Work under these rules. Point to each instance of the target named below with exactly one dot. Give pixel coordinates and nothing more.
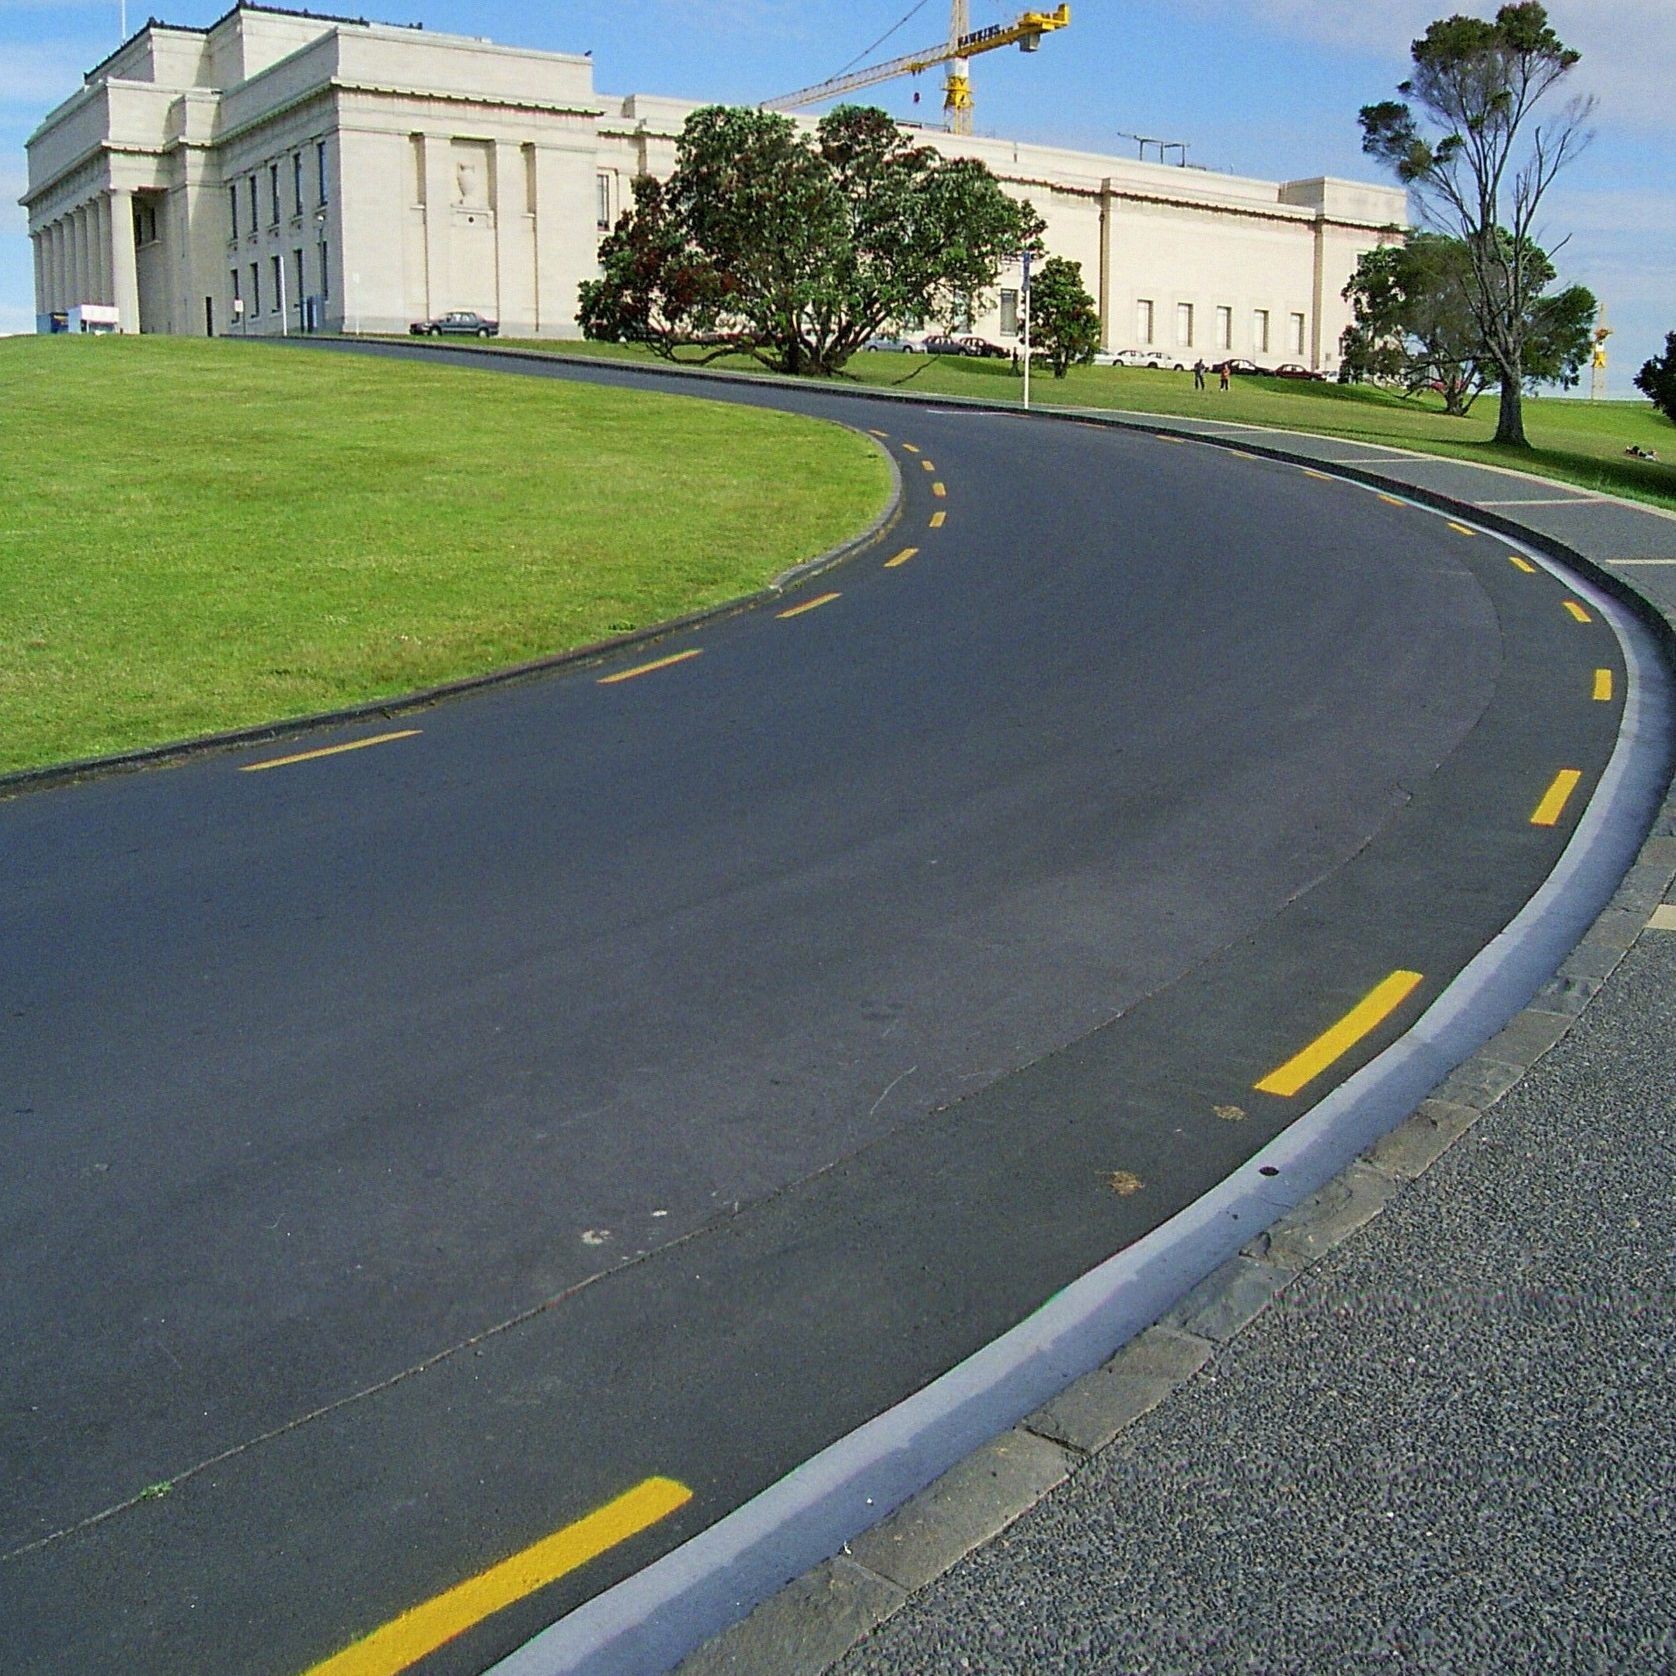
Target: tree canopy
(1657, 378)
(1413, 321)
(1063, 321)
(1483, 177)
(795, 248)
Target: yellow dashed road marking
(647, 668)
(1391, 500)
(1523, 564)
(909, 448)
(1578, 612)
(926, 465)
(901, 558)
(1310, 471)
(1554, 800)
(937, 520)
(1460, 529)
(417, 1633)
(1603, 686)
(1368, 1013)
(807, 605)
(328, 751)
(938, 490)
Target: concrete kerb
(163, 756)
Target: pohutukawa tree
(1483, 177)
(796, 248)
(1063, 321)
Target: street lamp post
(1024, 303)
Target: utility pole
(1024, 303)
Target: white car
(1138, 358)
(895, 345)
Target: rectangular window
(602, 211)
(254, 212)
(1297, 334)
(297, 183)
(233, 207)
(255, 291)
(1260, 331)
(1009, 314)
(302, 284)
(320, 167)
(1184, 325)
(1143, 321)
(273, 190)
(234, 277)
(1224, 328)
(325, 273)
(279, 282)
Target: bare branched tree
(1482, 180)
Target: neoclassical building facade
(280, 171)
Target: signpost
(1024, 303)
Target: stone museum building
(281, 171)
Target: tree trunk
(1510, 422)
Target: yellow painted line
(1368, 1013)
(328, 751)
(807, 605)
(1603, 686)
(938, 490)
(937, 520)
(1578, 612)
(926, 465)
(1240, 454)
(1164, 436)
(1310, 471)
(647, 668)
(416, 1634)
(1391, 500)
(879, 433)
(1523, 564)
(909, 448)
(1460, 529)
(901, 558)
(1554, 800)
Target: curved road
(414, 1148)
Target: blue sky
(1260, 87)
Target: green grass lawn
(1572, 441)
(197, 536)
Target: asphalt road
(414, 1148)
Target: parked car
(946, 346)
(1154, 358)
(895, 346)
(1296, 369)
(1236, 364)
(984, 349)
(457, 322)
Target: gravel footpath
(1448, 1446)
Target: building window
(1224, 328)
(320, 167)
(279, 284)
(1297, 334)
(297, 182)
(1143, 321)
(233, 276)
(255, 291)
(602, 210)
(253, 210)
(1184, 325)
(1260, 331)
(325, 272)
(302, 283)
(1009, 314)
(273, 190)
(233, 208)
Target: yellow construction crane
(964, 42)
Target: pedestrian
(1222, 374)
(1199, 373)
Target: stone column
(125, 278)
(84, 255)
(102, 249)
(55, 266)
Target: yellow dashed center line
(926, 465)
(1603, 686)
(1310, 471)
(1240, 454)
(1391, 500)
(1460, 529)
(901, 558)
(647, 668)
(937, 520)
(1578, 612)
(1554, 800)
(885, 434)
(416, 1634)
(938, 490)
(1523, 564)
(1368, 1013)
(909, 448)
(807, 605)
(328, 751)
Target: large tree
(1413, 321)
(1657, 378)
(1484, 176)
(1063, 322)
(795, 248)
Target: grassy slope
(195, 535)
(1572, 441)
